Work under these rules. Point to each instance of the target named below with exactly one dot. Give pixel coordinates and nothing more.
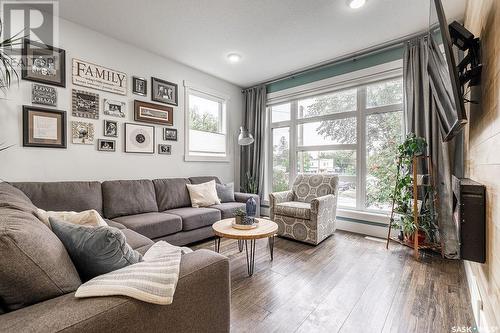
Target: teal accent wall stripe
(339, 68)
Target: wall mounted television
(448, 94)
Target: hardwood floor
(346, 284)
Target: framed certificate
(44, 127)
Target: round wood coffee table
(265, 229)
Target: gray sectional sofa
(158, 209)
(38, 279)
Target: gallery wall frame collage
(45, 126)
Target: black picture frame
(47, 50)
(168, 137)
(135, 80)
(164, 149)
(155, 83)
(126, 137)
(100, 147)
(106, 128)
(28, 127)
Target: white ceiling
(273, 36)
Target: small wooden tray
(244, 226)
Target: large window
(352, 132)
(206, 126)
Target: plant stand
(426, 189)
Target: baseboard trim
(476, 299)
(362, 227)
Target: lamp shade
(245, 138)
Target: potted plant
(403, 195)
(7, 62)
(239, 216)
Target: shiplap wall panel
(483, 153)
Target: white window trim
(191, 88)
(342, 82)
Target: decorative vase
(251, 207)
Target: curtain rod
(350, 56)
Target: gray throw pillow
(225, 192)
(95, 250)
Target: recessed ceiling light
(355, 4)
(233, 57)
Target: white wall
(84, 162)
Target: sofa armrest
(324, 211)
(276, 198)
(201, 304)
(243, 197)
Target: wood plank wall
(482, 18)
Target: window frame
(190, 89)
(359, 80)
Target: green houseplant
(249, 184)
(403, 193)
(239, 215)
(8, 65)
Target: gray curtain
(252, 156)
(424, 117)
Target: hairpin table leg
(217, 244)
(250, 256)
(240, 245)
(271, 247)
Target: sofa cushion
(64, 196)
(115, 224)
(225, 192)
(128, 197)
(203, 195)
(152, 225)
(301, 210)
(194, 218)
(136, 240)
(204, 179)
(89, 218)
(34, 265)
(172, 193)
(228, 209)
(95, 250)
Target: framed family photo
(82, 133)
(43, 63)
(139, 138)
(114, 108)
(110, 128)
(153, 113)
(85, 104)
(106, 145)
(139, 86)
(44, 127)
(164, 149)
(169, 134)
(164, 92)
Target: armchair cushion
(301, 210)
(306, 187)
(278, 197)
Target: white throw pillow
(203, 195)
(89, 218)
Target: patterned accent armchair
(307, 213)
